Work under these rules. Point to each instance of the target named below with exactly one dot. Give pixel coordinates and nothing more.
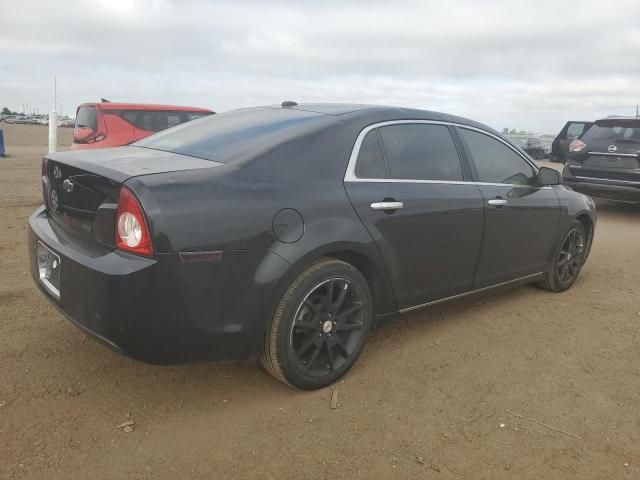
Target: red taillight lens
(577, 145)
(132, 232)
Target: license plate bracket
(48, 264)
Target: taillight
(45, 183)
(577, 145)
(132, 232)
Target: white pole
(53, 131)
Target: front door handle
(385, 206)
(497, 202)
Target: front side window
(420, 152)
(495, 162)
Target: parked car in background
(289, 232)
(605, 161)
(21, 120)
(108, 124)
(531, 145)
(560, 146)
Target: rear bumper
(603, 188)
(158, 310)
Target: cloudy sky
(522, 64)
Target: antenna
(637, 116)
(55, 93)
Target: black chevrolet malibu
(289, 232)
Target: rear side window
(86, 118)
(575, 130)
(154, 121)
(420, 152)
(370, 158)
(495, 162)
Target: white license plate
(49, 270)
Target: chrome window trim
(350, 174)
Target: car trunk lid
(81, 189)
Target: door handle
(386, 206)
(497, 202)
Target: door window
(420, 152)
(495, 162)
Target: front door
(409, 189)
(521, 217)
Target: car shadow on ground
(87, 360)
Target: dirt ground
(431, 397)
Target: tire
(568, 260)
(319, 326)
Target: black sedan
(290, 232)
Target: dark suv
(605, 160)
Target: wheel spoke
(314, 357)
(343, 327)
(349, 311)
(341, 296)
(313, 307)
(332, 361)
(329, 298)
(308, 342)
(341, 348)
(307, 325)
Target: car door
(568, 134)
(521, 217)
(409, 186)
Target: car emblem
(612, 148)
(57, 173)
(54, 200)
(67, 185)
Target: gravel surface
(519, 383)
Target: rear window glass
(610, 132)
(86, 118)
(232, 135)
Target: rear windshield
(608, 131)
(232, 135)
(86, 118)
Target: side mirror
(549, 176)
(81, 134)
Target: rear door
(571, 131)
(409, 186)
(521, 217)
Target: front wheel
(568, 260)
(319, 326)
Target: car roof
(143, 106)
(380, 111)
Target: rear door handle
(497, 202)
(386, 205)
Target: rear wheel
(569, 259)
(320, 325)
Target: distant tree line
(6, 111)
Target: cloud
(506, 63)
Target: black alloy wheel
(569, 259)
(320, 325)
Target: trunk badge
(67, 185)
(612, 148)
